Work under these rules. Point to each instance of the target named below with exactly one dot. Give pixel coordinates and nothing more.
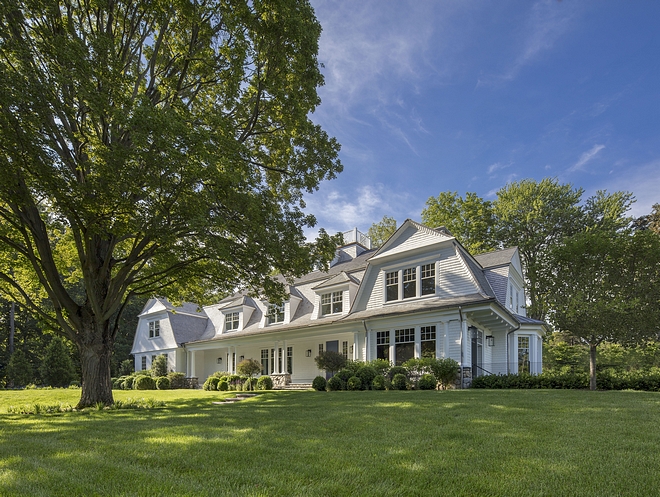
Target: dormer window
(392, 285)
(332, 303)
(428, 279)
(154, 329)
(409, 283)
(232, 321)
(275, 314)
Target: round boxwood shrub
(163, 383)
(378, 383)
(367, 374)
(354, 383)
(399, 382)
(427, 382)
(335, 383)
(265, 383)
(223, 385)
(319, 383)
(395, 370)
(345, 374)
(177, 380)
(128, 383)
(249, 384)
(117, 383)
(211, 383)
(144, 383)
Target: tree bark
(95, 354)
(592, 367)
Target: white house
(420, 294)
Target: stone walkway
(233, 400)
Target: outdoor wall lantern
(242, 357)
(219, 360)
(490, 340)
(308, 353)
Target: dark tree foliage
(57, 367)
(330, 361)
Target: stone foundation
(467, 378)
(191, 382)
(280, 380)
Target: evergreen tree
(19, 370)
(57, 367)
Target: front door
(331, 346)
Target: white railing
(356, 236)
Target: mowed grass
(476, 443)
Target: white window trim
(400, 269)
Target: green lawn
(474, 442)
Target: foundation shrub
(345, 374)
(223, 385)
(354, 383)
(234, 381)
(399, 382)
(381, 366)
(395, 370)
(211, 383)
(177, 380)
(445, 371)
(319, 384)
(366, 374)
(378, 383)
(353, 366)
(336, 383)
(144, 382)
(249, 384)
(128, 383)
(117, 383)
(163, 383)
(265, 383)
(427, 382)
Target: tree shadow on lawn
(338, 443)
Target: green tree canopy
(470, 219)
(606, 288)
(152, 146)
(380, 232)
(57, 366)
(19, 370)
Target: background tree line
(591, 270)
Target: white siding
(374, 289)
(413, 238)
(453, 277)
(455, 340)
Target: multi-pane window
(428, 341)
(275, 314)
(344, 349)
(231, 321)
(289, 360)
(332, 303)
(404, 347)
(523, 354)
(428, 279)
(272, 360)
(144, 362)
(320, 349)
(409, 283)
(383, 345)
(264, 362)
(392, 286)
(154, 329)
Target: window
(231, 321)
(144, 362)
(511, 295)
(320, 349)
(289, 360)
(264, 362)
(392, 286)
(428, 279)
(279, 360)
(517, 302)
(409, 283)
(344, 349)
(404, 348)
(275, 314)
(331, 303)
(428, 341)
(233, 361)
(272, 360)
(523, 354)
(383, 345)
(154, 329)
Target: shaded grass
(340, 443)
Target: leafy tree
(654, 219)
(470, 219)
(330, 361)
(607, 288)
(126, 367)
(159, 366)
(57, 367)
(151, 146)
(19, 369)
(535, 216)
(380, 232)
(249, 367)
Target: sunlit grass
(340, 443)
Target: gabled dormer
(355, 243)
(503, 269)
(334, 297)
(277, 314)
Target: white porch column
(276, 365)
(356, 344)
(418, 339)
(284, 355)
(193, 371)
(464, 344)
(445, 347)
(392, 347)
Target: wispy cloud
(498, 166)
(642, 180)
(586, 157)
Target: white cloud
(586, 157)
(498, 166)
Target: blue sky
(429, 96)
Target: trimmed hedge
(163, 383)
(336, 383)
(399, 382)
(265, 383)
(144, 383)
(319, 384)
(427, 382)
(354, 383)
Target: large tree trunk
(592, 367)
(95, 354)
